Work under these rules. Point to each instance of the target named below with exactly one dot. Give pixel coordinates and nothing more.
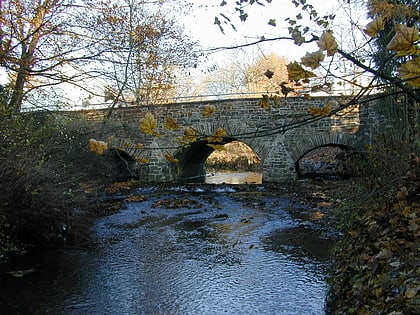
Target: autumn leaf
(327, 42)
(141, 160)
(217, 147)
(171, 124)
(149, 125)
(403, 42)
(410, 71)
(372, 29)
(321, 111)
(92, 145)
(297, 72)
(171, 159)
(208, 110)
(217, 136)
(313, 60)
(190, 135)
(276, 100)
(269, 74)
(98, 147)
(264, 102)
(381, 8)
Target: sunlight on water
(227, 177)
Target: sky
(200, 25)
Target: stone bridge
(277, 130)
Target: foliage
(267, 73)
(44, 171)
(39, 40)
(248, 74)
(376, 262)
(79, 45)
(403, 46)
(375, 268)
(147, 47)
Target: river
(192, 249)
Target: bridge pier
(278, 166)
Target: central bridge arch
(192, 159)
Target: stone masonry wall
(243, 119)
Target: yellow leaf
(92, 145)
(380, 8)
(98, 147)
(149, 125)
(217, 147)
(190, 135)
(217, 136)
(403, 42)
(276, 100)
(315, 111)
(208, 110)
(297, 72)
(374, 27)
(411, 291)
(313, 60)
(171, 124)
(171, 159)
(410, 71)
(142, 160)
(101, 147)
(321, 111)
(327, 42)
(264, 102)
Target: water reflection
(232, 177)
(220, 256)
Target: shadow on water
(184, 250)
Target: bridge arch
(192, 159)
(321, 140)
(345, 142)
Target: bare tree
(129, 46)
(145, 50)
(44, 43)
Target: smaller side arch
(336, 166)
(124, 163)
(307, 144)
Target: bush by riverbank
(376, 264)
(47, 175)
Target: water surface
(185, 250)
